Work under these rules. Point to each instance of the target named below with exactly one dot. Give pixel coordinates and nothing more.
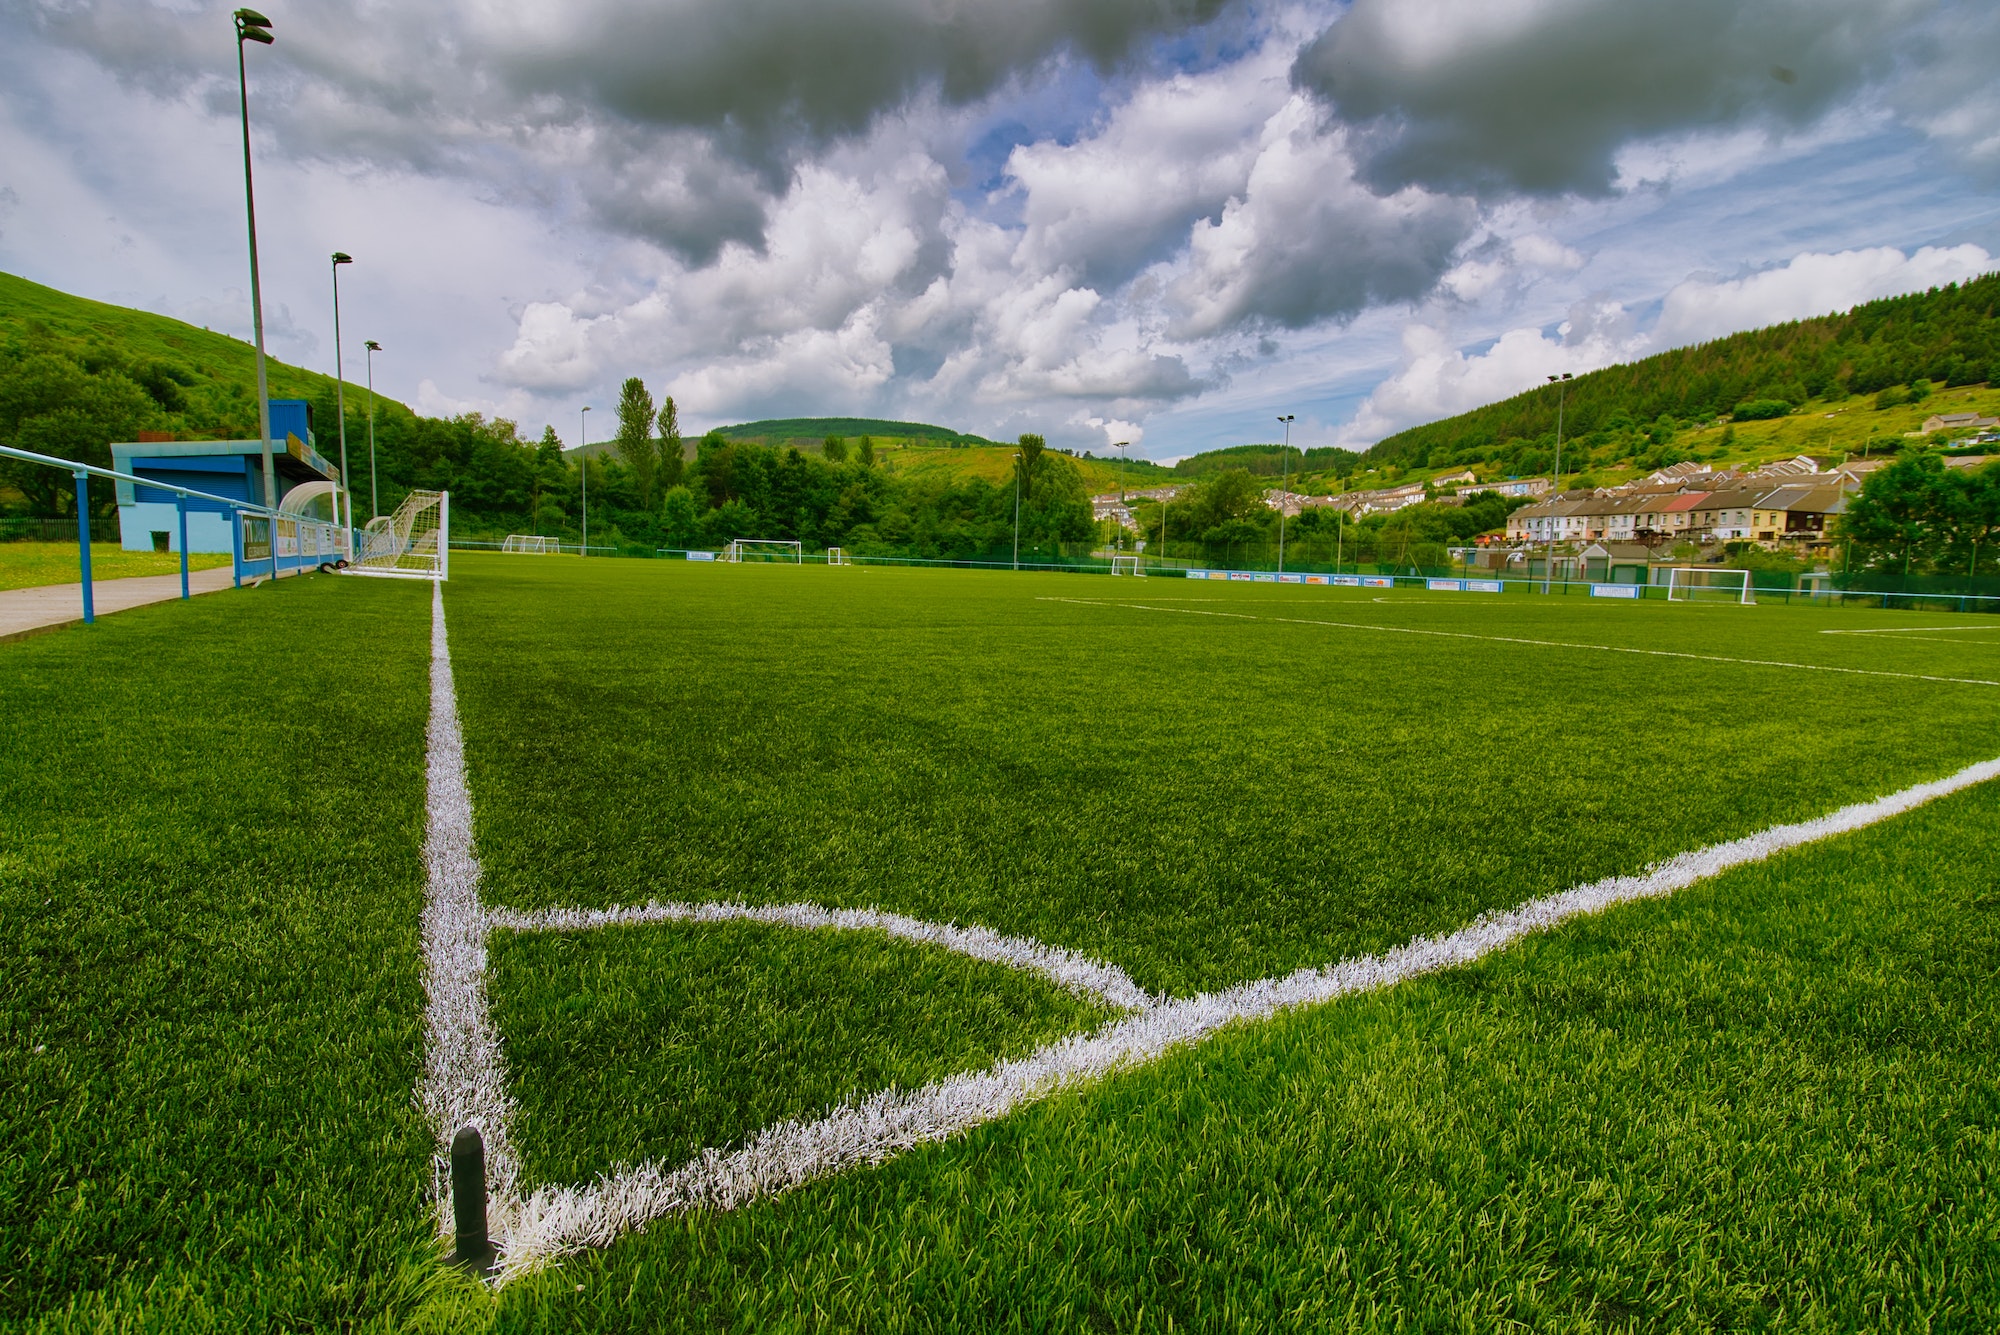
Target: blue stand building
(147, 521)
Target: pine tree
(635, 438)
(670, 445)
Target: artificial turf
(1190, 788)
(640, 1043)
(1766, 1104)
(210, 1000)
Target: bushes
(1761, 410)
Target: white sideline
(1076, 973)
(464, 1080)
(1519, 639)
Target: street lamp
(1285, 488)
(1121, 447)
(254, 27)
(583, 471)
(374, 503)
(1561, 383)
(341, 257)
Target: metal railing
(287, 541)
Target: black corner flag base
(468, 1202)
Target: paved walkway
(25, 612)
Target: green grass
(652, 1042)
(25, 565)
(1765, 1104)
(1768, 1103)
(209, 991)
(1199, 799)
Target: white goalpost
(1127, 563)
(1686, 584)
(413, 543)
(837, 557)
(764, 549)
(530, 544)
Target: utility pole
(340, 396)
(583, 472)
(1017, 512)
(1561, 383)
(374, 498)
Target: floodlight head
(252, 26)
(342, 257)
(372, 345)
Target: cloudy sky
(1164, 221)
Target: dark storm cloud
(1538, 96)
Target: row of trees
(1919, 517)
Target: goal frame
(1679, 590)
(412, 543)
(531, 544)
(1131, 561)
(837, 556)
(738, 547)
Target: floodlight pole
(254, 27)
(1561, 383)
(1121, 447)
(1284, 488)
(1017, 512)
(374, 499)
(583, 471)
(340, 401)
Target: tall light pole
(1121, 446)
(1285, 488)
(583, 471)
(1017, 512)
(341, 257)
(1561, 383)
(254, 27)
(374, 501)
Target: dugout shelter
(232, 468)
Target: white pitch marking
(1904, 630)
(1076, 973)
(1542, 644)
(790, 1154)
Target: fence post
(181, 513)
(236, 547)
(83, 543)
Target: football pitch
(912, 950)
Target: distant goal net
(529, 544)
(764, 549)
(413, 543)
(1689, 585)
(837, 557)
(1125, 564)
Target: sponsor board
(1484, 586)
(1378, 581)
(1348, 581)
(1614, 590)
(1445, 585)
(1291, 579)
(701, 556)
(1317, 579)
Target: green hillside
(1647, 413)
(812, 430)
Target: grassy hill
(811, 431)
(197, 383)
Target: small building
(1958, 422)
(147, 519)
(1513, 486)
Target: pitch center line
(1520, 639)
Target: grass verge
(27, 565)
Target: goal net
(837, 557)
(530, 544)
(1687, 585)
(413, 543)
(764, 549)
(1126, 564)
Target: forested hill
(812, 430)
(1948, 336)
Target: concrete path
(25, 612)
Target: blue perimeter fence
(1838, 591)
(264, 542)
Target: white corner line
(1075, 973)
(556, 1220)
